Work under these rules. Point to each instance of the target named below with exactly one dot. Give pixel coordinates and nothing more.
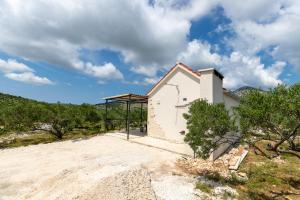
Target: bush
(232, 179)
(273, 115)
(207, 125)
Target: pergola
(128, 99)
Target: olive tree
(61, 126)
(207, 126)
(63, 120)
(273, 115)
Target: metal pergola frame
(128, 99)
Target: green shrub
(203, 187)
(207, 124)
(215, 176)
(234, 179)
(275, 114)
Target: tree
(61, 126)
(63, 121)
(207, 126)
(273, 116)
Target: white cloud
(196, 53)
(266, 24)
(20, 72)
(260, 10)
(151, 80)
(106, 71)
(29, 77)
(199, 54)
(145, 70)
(144, 34)
(13, 66)
(240, 70)
(145, 81)
(152, 37)
(258, 25)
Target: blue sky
(80, 52)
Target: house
(172, 95)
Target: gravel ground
(132, 184)
(101, 167)
(175, 187)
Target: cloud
(106, 71)
(13, 66)
(238, 69)
(258, 10)
(196, 53)
(143, 33)
(145, 70)
(152, 36)
(257, 26)
(29, 77)
(145, 81)
(152, 80)
(20, 72)
(262, 25)
(199, 54)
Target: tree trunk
(293, 146)
(261, 151)
(275, 147)
(289, 152)
(293, 133)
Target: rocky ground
(101, 167)
(131, 184)
(222, 165)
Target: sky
(76, 51)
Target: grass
(203, 187)
(29, 140)
(44, 137)
(232, 180)
(269, 179)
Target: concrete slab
(178, 148)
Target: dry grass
(44, 137)
(270, 179)
(278, 178)
(204, 187)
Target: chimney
(211, 85)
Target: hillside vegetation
(19, 115)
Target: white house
(172, 95)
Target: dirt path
(102, 167)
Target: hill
(242, 90)
(8, 99)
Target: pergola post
(128, 116)
(141, 123)
(105, 122)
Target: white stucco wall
(168, 103)
(230, 102)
